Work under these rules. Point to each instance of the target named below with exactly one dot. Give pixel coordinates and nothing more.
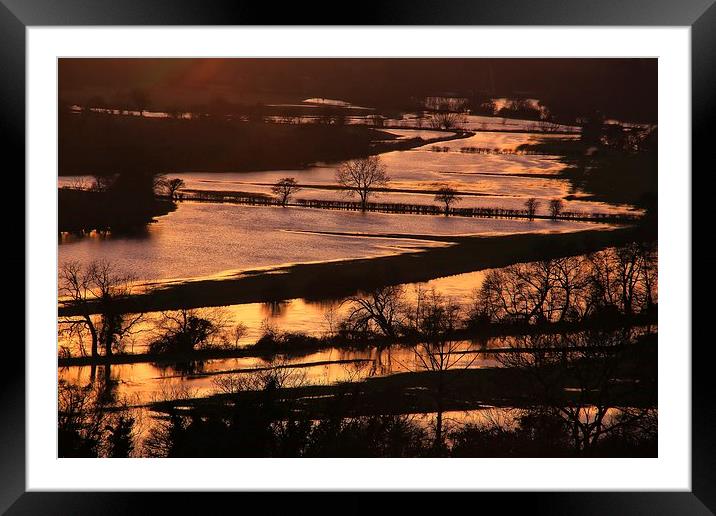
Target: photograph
(364, 257)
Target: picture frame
(700, 15)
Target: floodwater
(208, 239)
(143, 383)
(295, 315)
(500, 178)
(212, 239)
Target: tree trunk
(93, 334)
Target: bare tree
(362, 176)
(103, 183)
(90, 294)
(447, 196)
(531, 206)
(285, 188)
(185, 330)
(555, 207)
(378, 311)
(173, 186)
(607, 283)
(445, 120)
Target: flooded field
(438, 258)
(175, 246)
(500, 178)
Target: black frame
(700, 15)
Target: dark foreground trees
(593, 384)
(87, 429)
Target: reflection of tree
(438, 352)
(274, 308)
(577, 374)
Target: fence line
(404, 208)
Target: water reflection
(145, 382)
(310, 317)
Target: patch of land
(81, 210)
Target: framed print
(269, 251)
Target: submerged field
(295, 271)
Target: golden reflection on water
(315, 318)
(146, 382)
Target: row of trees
(363, 177)
(614, 283)
(555, 207)
(160, 184)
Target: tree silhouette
(90, 293)
(447, 196)
(531, 206)
(362, 176)
(378, 311)
(285, 188)
(445, 121)
(140, 100)
(555, 208)
(173, 186)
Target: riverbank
(343, 278)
